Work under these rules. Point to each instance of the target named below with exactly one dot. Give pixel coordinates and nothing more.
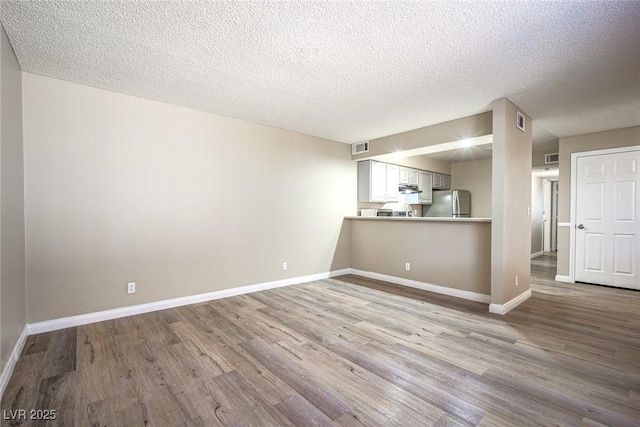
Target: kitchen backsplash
(400, 206)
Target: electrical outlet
(407, 266)
(516, 280)
(284, 266)
(131, 287)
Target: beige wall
(452, 254)
(12, 255)
(562, 267)
(475, 176)
(575, 144)
(511, 225)
(454, 130)
(537, 158)
(537, 209)
(182, 202)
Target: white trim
(537, 254)
(574, 195)
(565, 279)
(505, 308)
(572, 215)
(564, 224)
(13, 359)
(458, 293)
(84, 319)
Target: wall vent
(551, 158)
(360, 147)
(520, 121)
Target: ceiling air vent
(550, 158)
(360, 147)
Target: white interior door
(607, 235)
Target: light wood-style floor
(347, 352)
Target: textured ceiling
(347, 71)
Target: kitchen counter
(418, 219)
(451, 256)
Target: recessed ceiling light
(466, 143)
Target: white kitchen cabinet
(404, 176)
(409, 176)
(441, 181)
(437, 181)
(377, 182)
(414, 177)
(425, 184)
(393, 177)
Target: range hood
(408, 189)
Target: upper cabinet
(447, 182)
(393, 173)
(425, 185)
(441, 181)
(378, 182)
(404, 176)
(409, 176)
(414, 177)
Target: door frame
(554, 214)
(574, 197)
(546, 211)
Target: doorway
(550, 215)
(544, 210)
(605, 204)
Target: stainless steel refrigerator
(449, 203)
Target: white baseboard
(84, 319)
(537, 254)
(565, 279)
(13, 359)
(507, 307)
(458, 293)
